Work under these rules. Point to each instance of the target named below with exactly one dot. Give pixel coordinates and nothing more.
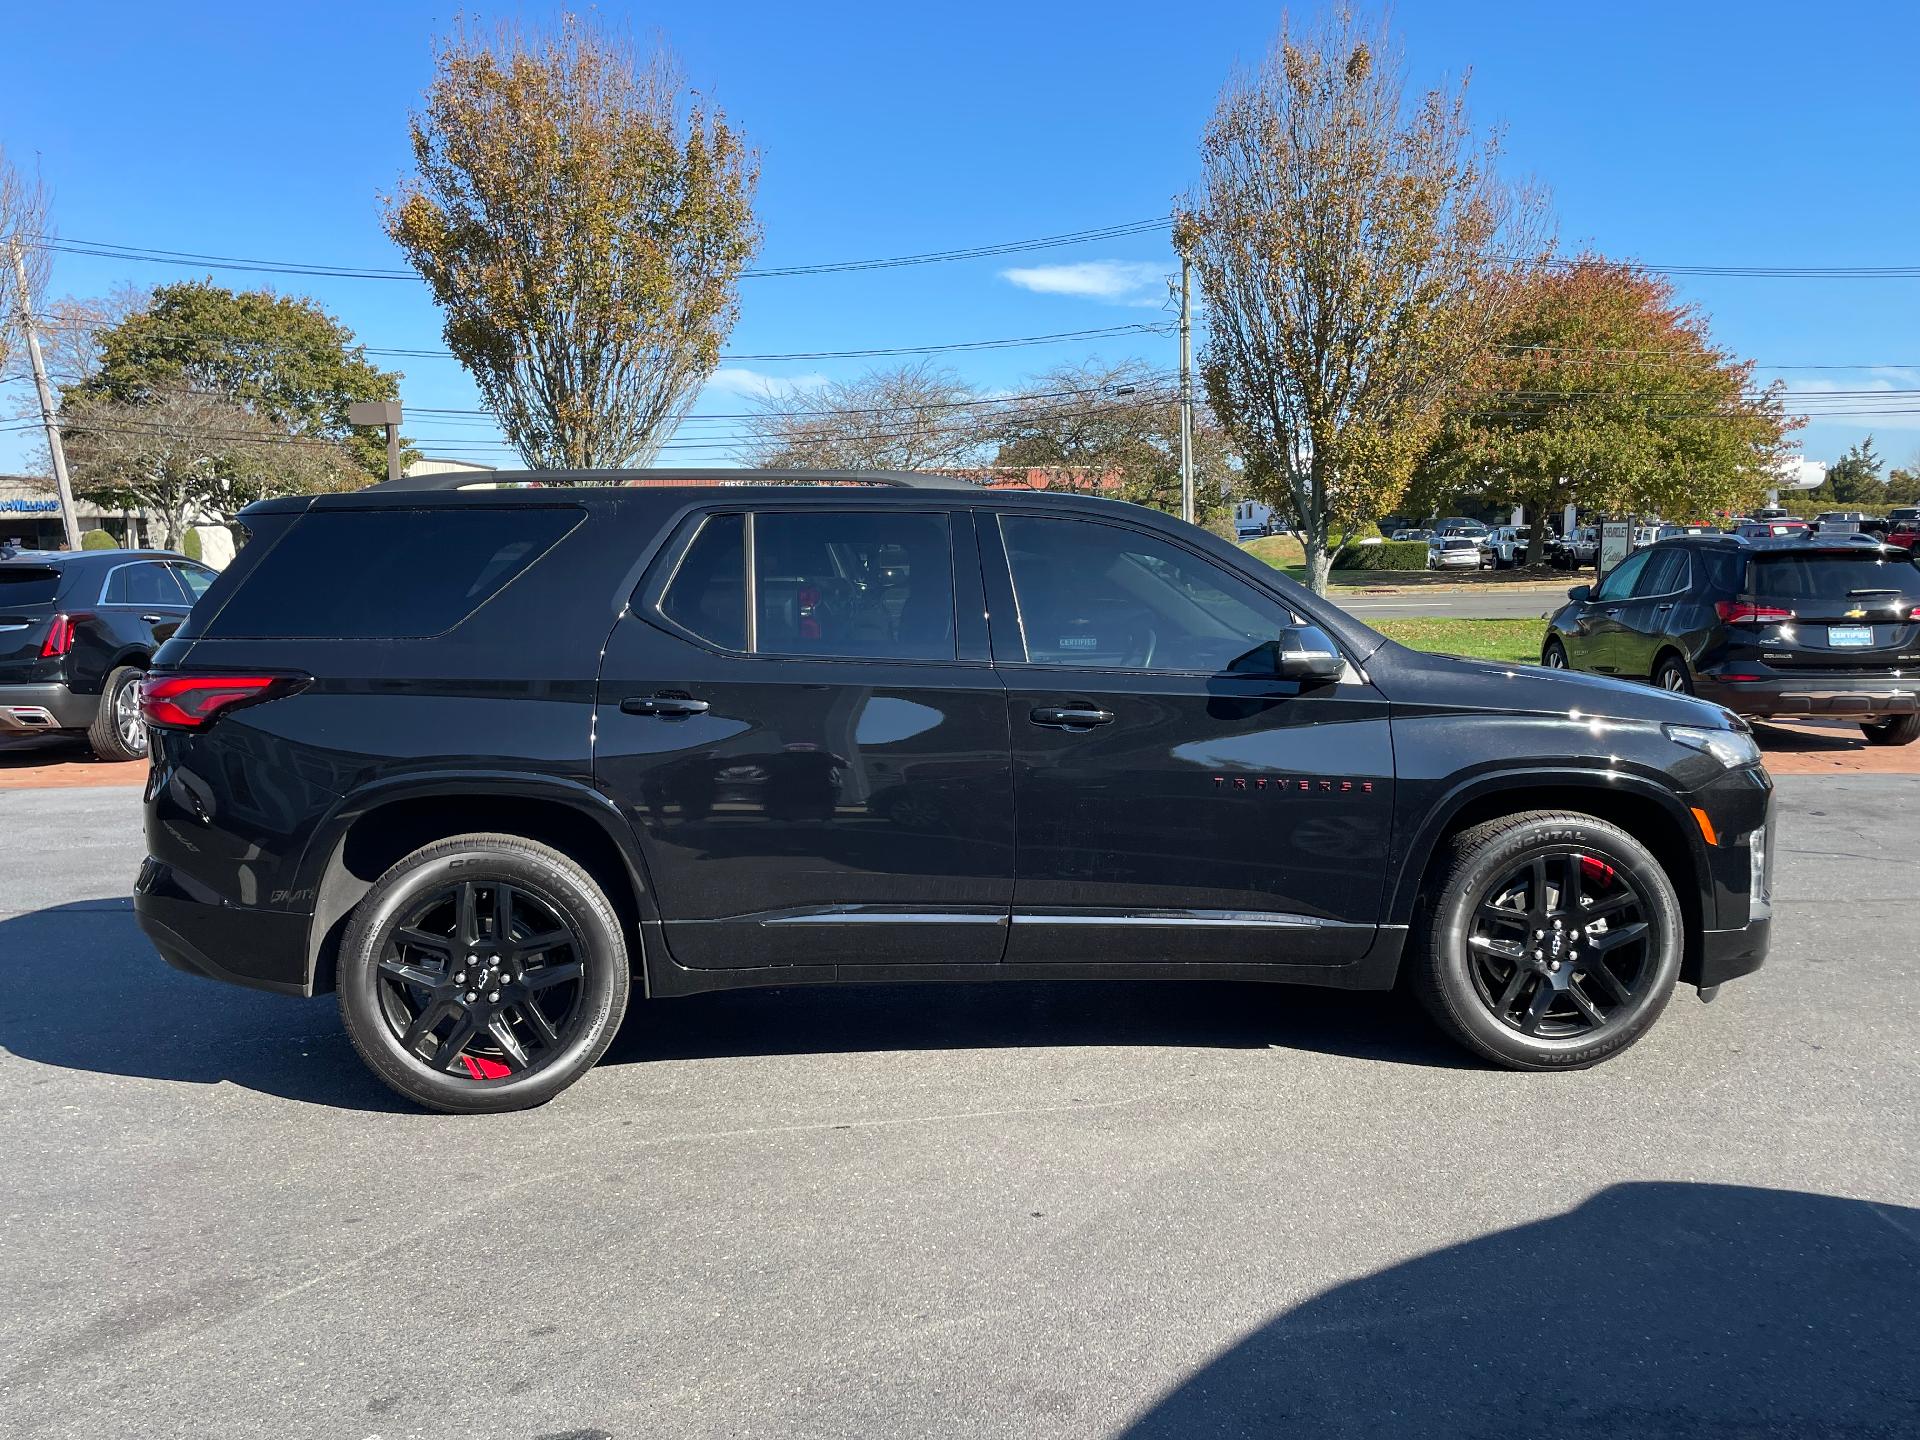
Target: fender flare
(335, 891)
(1440, 816)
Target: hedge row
(1387, 555)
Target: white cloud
(1852, 404)
(754, 385)
(1119, 280)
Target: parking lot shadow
(1653, 1310)
(84, 990)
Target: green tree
(282, 359)
(1121, 420)
(1606, 391)
(1347, 244)
(1853, 479)
(583, 220)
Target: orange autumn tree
(1606, 391)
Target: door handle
(1070, 717)
(156, 619)
(662, 705)
(1667, 606)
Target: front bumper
(1813, 696)
(1728, 954)
(35, 709)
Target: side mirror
(1580, 592)
(1307, 653)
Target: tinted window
(1827, 576)
(1093, 594)
(875, 585)
(195, 579)
(27, 585)
(708, 592)
(1664, 573)
(143, 585)
(361, 574)
(1620, 579)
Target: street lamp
(385, 413)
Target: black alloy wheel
(1553, 940)
(1559, 945)
(483, 973)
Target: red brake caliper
(481, 1068)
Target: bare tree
(23, 224)
(911, 417)
(186, 455)
(1353, 250)
(583, 219)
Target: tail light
(1745, 612)
(59, 637)
(193, 702)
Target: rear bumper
(261, 949)
(1783, 697)
(25, 709)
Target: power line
(147, 254)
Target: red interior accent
(481, 1068)
(809, 602)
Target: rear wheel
(1554, 941)
(1901, 730)
(483, 973)
(118, 732)
(1671, 674)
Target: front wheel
(483, 973)
(1554, 941)
(1554, 657)
(1901, 730)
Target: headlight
(1729, 747)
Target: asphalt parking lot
(1048, 1210)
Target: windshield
(1827, 575)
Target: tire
(560, 1004)
(1901, 730)
(1671, 675)
(1554, 656)
(118, 732)
(1488, 996)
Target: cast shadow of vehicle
(84, 990)
(1653, 1310)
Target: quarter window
(1105, 596)
(708, 592)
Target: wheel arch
(372, 829)
(1649, 812)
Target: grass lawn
(1514, 640)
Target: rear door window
(1664, 573)
(388, 574)
(872, 585)
(147, 583)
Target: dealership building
(30, 514)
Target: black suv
(886, 728)
(1817, 626)
(77, 630)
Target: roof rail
(466, 479)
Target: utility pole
(68, 520)
(1186, 388)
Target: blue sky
(1758, 133)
